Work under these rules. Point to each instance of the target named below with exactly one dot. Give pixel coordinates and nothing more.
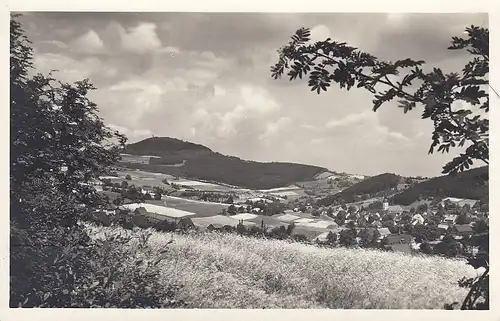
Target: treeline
(471, 184)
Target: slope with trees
(202, 163)
(368, 187)
(471, 184)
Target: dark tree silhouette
(328, 62)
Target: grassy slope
(228, 271)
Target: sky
(205, 78)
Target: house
(443, 227)
(141, 211)
(398, 239)
(461, 230)
(417, 219)
(402, 248)
(384, 231)
(450, 219)
(395, 209)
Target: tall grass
(230, 271)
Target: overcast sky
(205, 78)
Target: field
(229, 271)
(201, 209)
(142, 178)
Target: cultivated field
(201, 209)
(229, 271)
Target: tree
(124, 184)
(128, 178)
(425, 248)
(58, 146)
(231, 210)
(347, 237)
(331, 238)
(230, 200)
(329, 62)
(422, 208)
(425, 232)
(340, 218)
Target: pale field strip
(304, 220)
(280, 189)
(244, 216)
(190, 200)
(216, 220)
(162, 210)
(288, 217)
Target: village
(433, 226)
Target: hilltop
(160, 146)
(186, 159)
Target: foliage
(58, 146)
(425, 232)
(327, 62)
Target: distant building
(462, 230)
(385, 206)
(395, 209)
(450, 219)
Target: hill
(200, 162)
(370, 187)
(471, 184)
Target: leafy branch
(327, 62)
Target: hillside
(369, 187)
(229, 271)
(471, 184)
(202, 163)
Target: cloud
(274, 128)
(204, 77)
(69, 69)
(320, 33)
(89, 43)
(132, 134)
(140, 39)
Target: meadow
(229, 271)
(202, 209)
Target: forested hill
(369, 187)
(471, 184)
(200, 162)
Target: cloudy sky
(204, 77)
